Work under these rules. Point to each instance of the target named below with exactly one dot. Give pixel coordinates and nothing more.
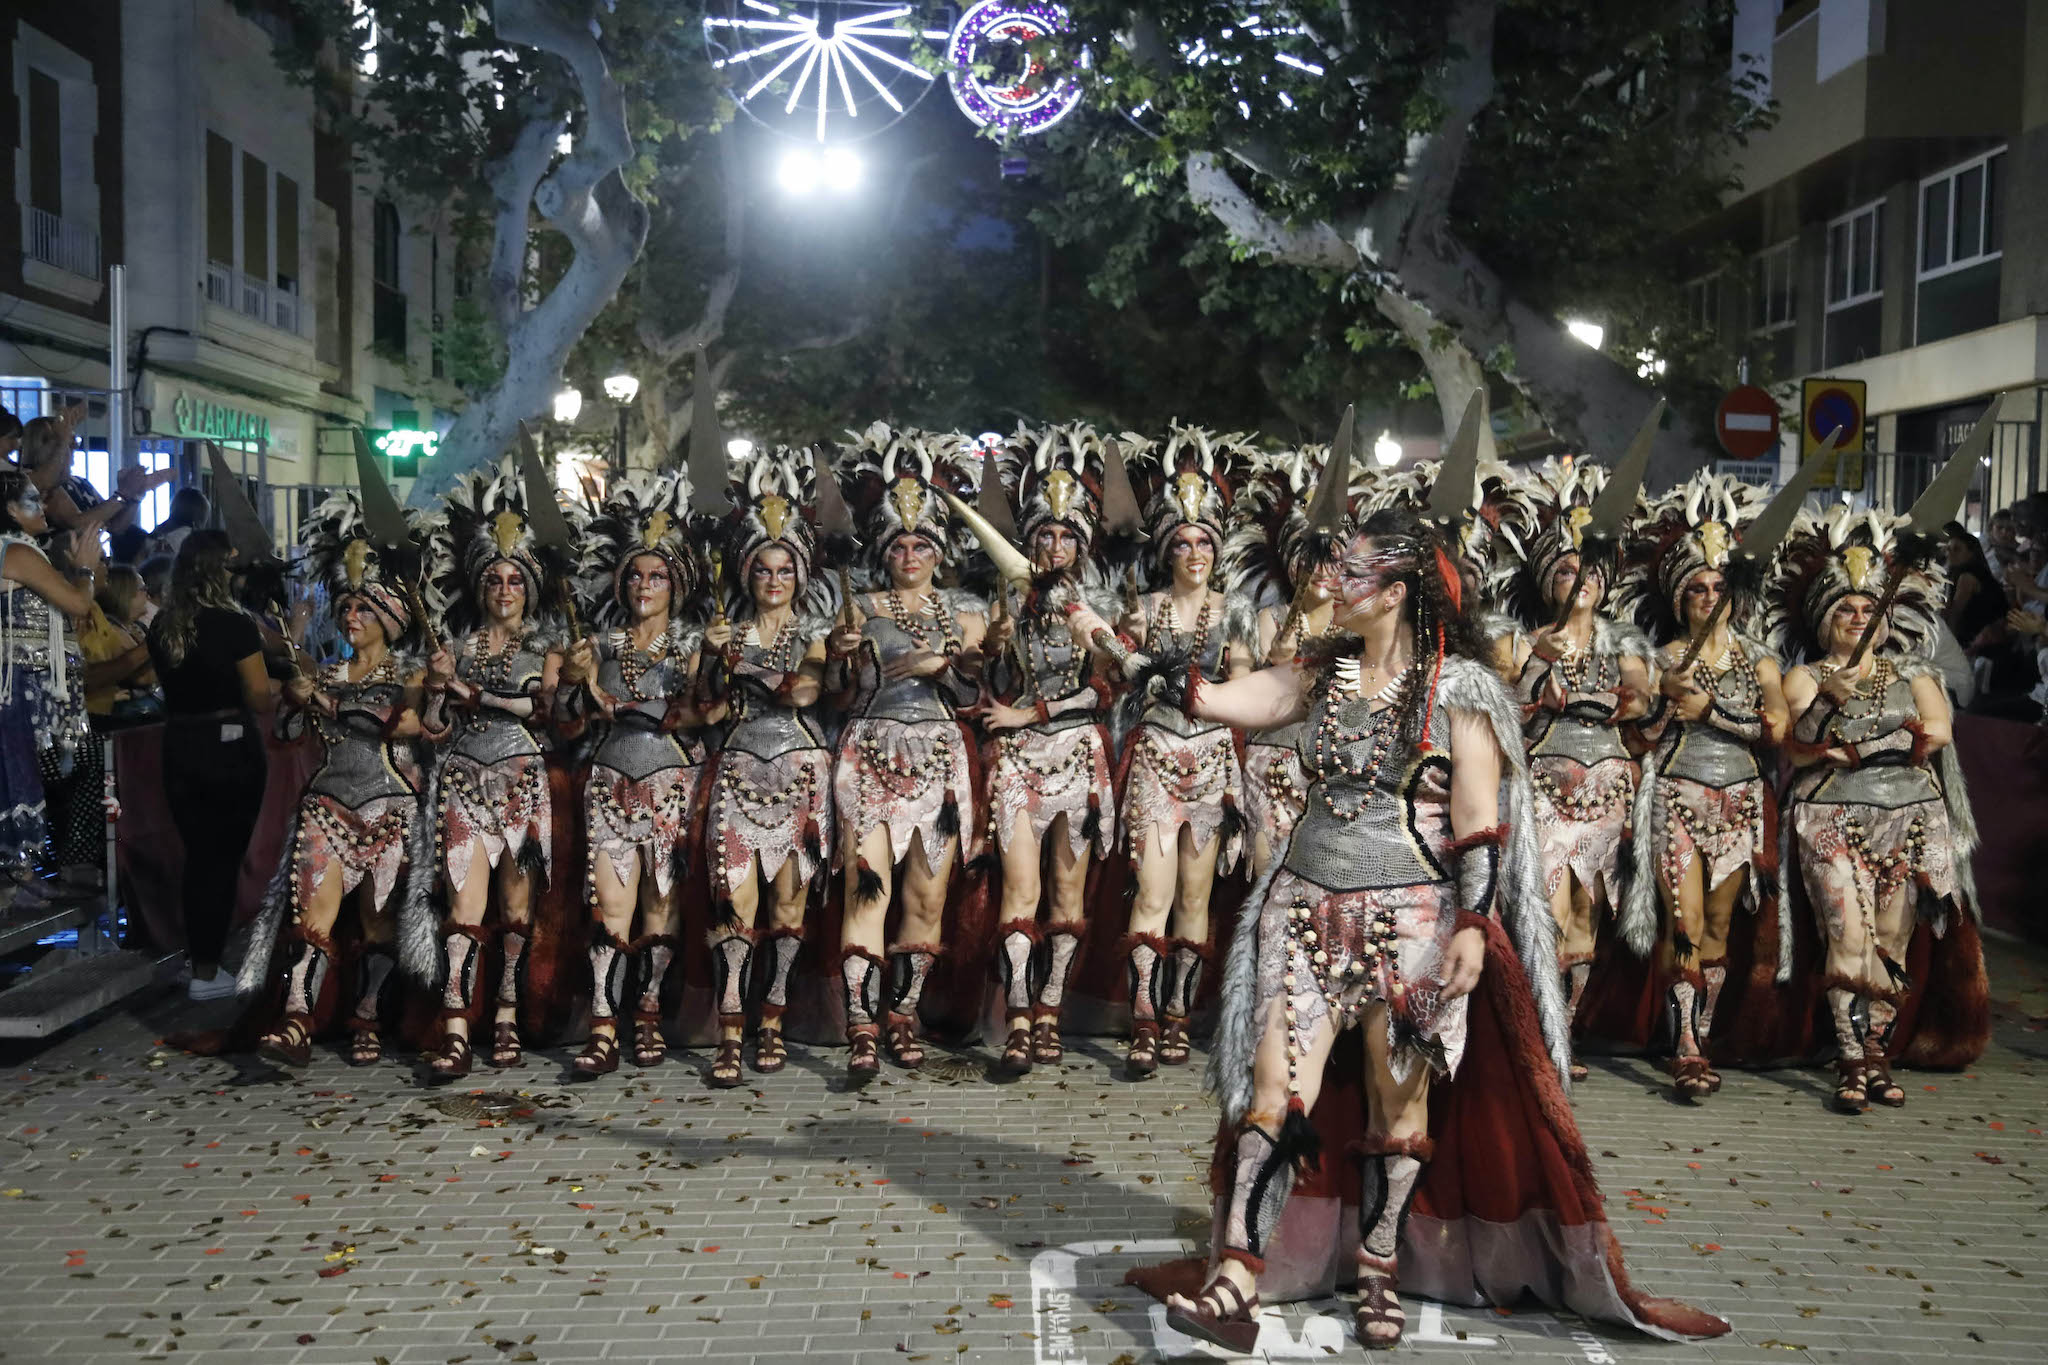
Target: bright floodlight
(622, 388)
(1592, 333)
(739, 447)
(1387, 450)
(989, 439)
(800, 170)
(568, 403)
(840, 168)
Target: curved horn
(1010, 561)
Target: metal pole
(117, 367)
(619, 446)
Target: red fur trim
(1566, 961)
(1051, 1012)
(1920, 747)
(787, 931)
(1039, 708)
(1856, 985)
(600, 934)
(1418, 1145)
(1951, 1008)
(1204, 951)
(646, 941)
(1687, 974)
(1797, 749)
(1497, 835)
(738, 1021)
(316, 939)
(1720, 961)
(936, 950)
(1027, 927)
(1078, 928)
(1255, 1264)
(855, 950)
(1158, 943)
(1468, 920)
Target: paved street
(160, 1206)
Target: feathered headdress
(486, 524)
(773, 493)
(642, 514)
(1539, 517)
(341, 557)
(1059, 480)
(1194, 469)
(1842, 553)
(1690, 530)
(895, 477)
(1270, 543)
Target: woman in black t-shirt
(209, 659)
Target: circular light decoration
(1020, 94)
(822, 72)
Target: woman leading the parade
(359, 827)
(903, 786)
(489, 690)
(1881, 822)
(1705, 818)
(636, 681)
(770, 799)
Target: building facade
(1894, 221)
(275, 300)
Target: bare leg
(653, 951)
(917, 945)
(1149, 955)
(380, 929)
(1069, 921)
(617, 894)
(1894, 925)
(733, 938)
(311, 948)
(1572, 907)
(785, 941)
(1017, 955)
(515, 930)
(1685, 911)
(1189, 941)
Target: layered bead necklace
(1164, 627)
(1331, 741)
(775, 656)
(1869, 694)
(492, 669)
(931, 608)
(633, 664)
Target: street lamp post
(622, 389)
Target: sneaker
(219, 986)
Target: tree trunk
(1454, 371)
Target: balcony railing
(273, 306)
(68, 246)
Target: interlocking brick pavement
(157, 1206)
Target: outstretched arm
(1264, 700)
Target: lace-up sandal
(506, 1049)
(1878, 1084)
(1017, 1050)
(1379, 1319)
(1144, 1054)
(600, 1056)
(1046, 1048)
(366, 1048)
(454, 1059)
(1173, 1045)
(1689, 1078)
(724, 1073)
(904, 1044)
(864, 1057)
(1220, 1315)
(770, 1056)
(290, 1043)
(1850, 1097)
(649, 1047)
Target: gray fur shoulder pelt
(1495, 626)
(1637, 916)
(260, 939)
(961, 602)
(1525, 909)
(1621, 639)
(1962, 824)
(1241, 623)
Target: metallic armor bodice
(1888, 785)
(1554, 734)
(904, 699)
(488, 734)
(763, 724)
(1401, 824)
(1211, 662)
(634, 746)
(358, 767)
(1055, 669)
(1698, 751)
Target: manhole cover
(496, 1104)
(953, 1068)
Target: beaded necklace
(493, 668)
(1330, 741)
(633, 665)
(932, 607)
(1039, 637)
(774, 656)
(1870, 691)
(1165, 626)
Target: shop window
(387, 330)
(1962, 213)
(1774, 304)
(1855, 292)
(220, 201)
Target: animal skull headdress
(643, 514)
(486, 524)
(775, 495)
(1842, 553)
(898, 475)
(1061, 481)
(1194, 493)
(341, 556)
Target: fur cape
(1524, 909)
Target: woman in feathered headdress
(1181, 793)
(1705, 817)
(771, 792)
(902, 784)
(637, 680)
(489, 690)
(1880, 820)
(1049, 781)
(1579, 676)
(359, 822)
(1410, 906)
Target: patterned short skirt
(1722, 826)
(1046, 774)
(503, 806)
(1275, 792)
(771, 809)
(1856, 858)
(648, 817)
(901, 774)
(1582, 820)
(1179, 780)
(371, 841)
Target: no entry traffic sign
(1747, 423)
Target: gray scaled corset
(634, 746)
(357, 767)
(765, 725)
(904, 699)
(1704, 753)
(1169, 718)
(487, 734)
(1886, 786)
(1401, 828)
(1553, 734)
(1055, 669)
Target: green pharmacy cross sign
(405, 447)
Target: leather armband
(1475, 866)
(1044, 713)
(1596, 708)
(1750, 727)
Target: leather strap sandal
(1379, 1319)
(904, 1044)
(1046, 1047)
(1173, 1046)
(1878, 1084)
(725, 1067)
(1017, 1051)
(1851, 1097)
(770, 1055)
(1220, 1315)
(454, 1059)
(864, 1058)
(290, 1043)
(1689, 1078)
(600, 1056)
(506, 1049)
(366, 1049)
(649, 1047)
(1144, 1054)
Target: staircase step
(50, 1001)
